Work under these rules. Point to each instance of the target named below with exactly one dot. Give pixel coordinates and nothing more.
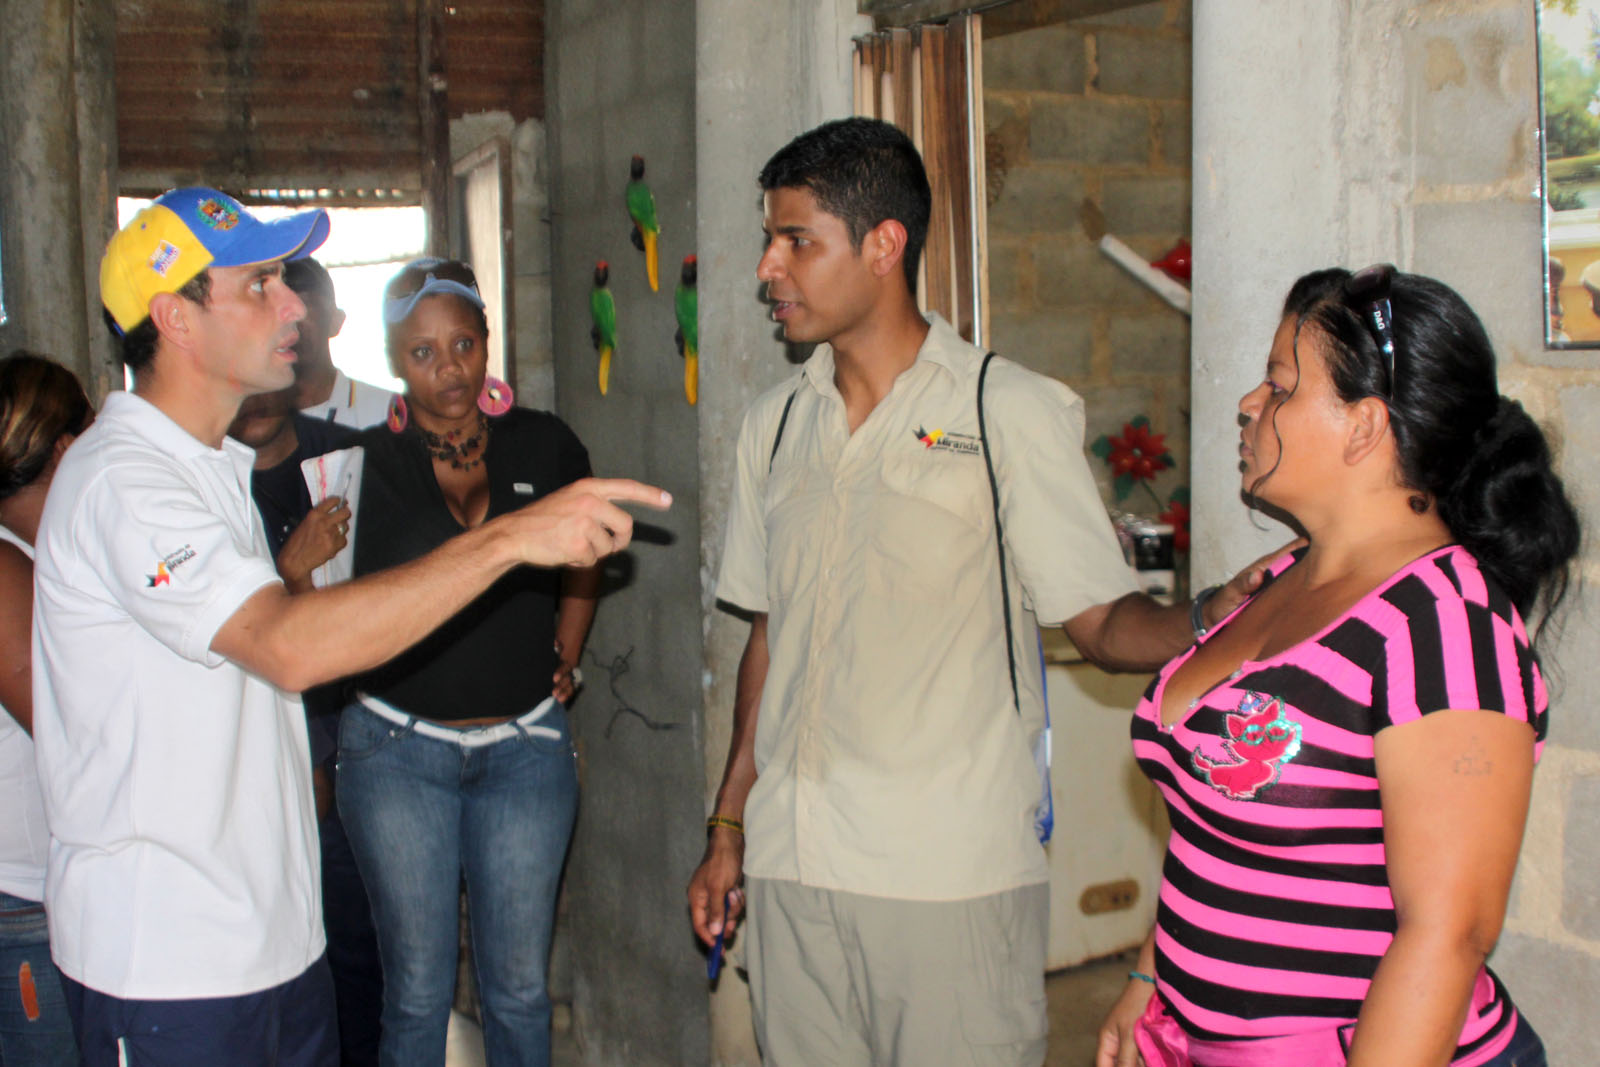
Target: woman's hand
(1117, 1048)
(567, 677)
(320, 536)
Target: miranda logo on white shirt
(938, 441)
(167, 564)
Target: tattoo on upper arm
(1474, 762)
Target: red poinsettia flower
(1136, 457)
(1138, 452)
(1177, 514)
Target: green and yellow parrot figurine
(686, 302)
(603, 310)
(642, 209)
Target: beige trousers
(843, 980)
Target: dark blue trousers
(352, 948)
(289, 1025)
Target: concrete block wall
(1098, 108)
(1406, 131)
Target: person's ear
(1368, 420)
(885, 245)
(336, 322)
(170, 313)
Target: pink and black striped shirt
(1275, 906)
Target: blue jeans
(1525, 1050)
(421, 813)
(35, 1030)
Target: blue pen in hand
(714, 961)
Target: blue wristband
(1141, 976)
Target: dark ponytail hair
(40, 400)
(1474, 454)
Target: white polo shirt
(177, 786)
(23, 837)
(352, 403)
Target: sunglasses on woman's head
(1367, 293)
(418, 273)
(426, 277)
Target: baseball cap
(184, 231)
(428, 276)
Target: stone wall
(1095, 107)
(1406, 131)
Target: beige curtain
(927, 80)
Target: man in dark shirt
(303, 535)
(282, 439)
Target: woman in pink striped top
(1347, 757)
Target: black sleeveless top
(496, 656)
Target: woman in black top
(455, 758)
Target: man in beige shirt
(881, 759)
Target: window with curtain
(925, 79)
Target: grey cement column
(58, 177)
(766, 72)
(95, 91)
(621, 81)
(1268, 86)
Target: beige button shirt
(891, 760)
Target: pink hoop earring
(399, 415)
(495, 398)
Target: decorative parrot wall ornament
(686, 303)
(646, 229)
(603, 311)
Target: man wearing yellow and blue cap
(182, 883)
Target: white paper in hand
(338, 474)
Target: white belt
(469, 736)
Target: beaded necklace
(451, 448)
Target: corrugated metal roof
(317, 94)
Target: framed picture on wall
(1569, 119)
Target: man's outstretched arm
(1135, 633)
(298, 641)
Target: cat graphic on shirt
(1260, 739)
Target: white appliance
(1111, 826)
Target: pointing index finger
(626, 490)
